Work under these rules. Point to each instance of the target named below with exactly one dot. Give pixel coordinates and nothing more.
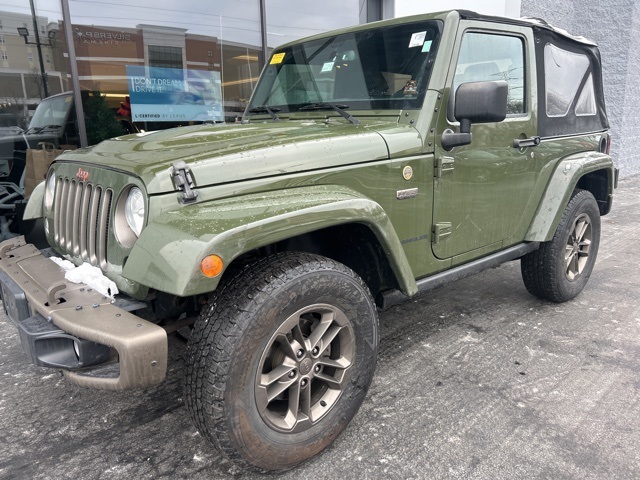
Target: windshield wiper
(40, 129)
(332, 106)
(269, 110)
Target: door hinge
(441, 231)
(444, 164)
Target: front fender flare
(34, 208)
(558, 193)
(168, 253)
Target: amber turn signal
(211, 266)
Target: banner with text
(174, 95)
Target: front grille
(81, 213)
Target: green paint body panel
(232, 153)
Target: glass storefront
(150, 65)
(30, 69)
(169, 63)
(288, 21)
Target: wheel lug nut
(315, 350)
(300, 353)
(303, 382)
(316, 369)
(292, 374)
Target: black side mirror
(476, 102)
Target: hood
(229, 153)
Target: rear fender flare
(558, 192)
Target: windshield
(381, 68)
(51, 111)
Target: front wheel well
(353, 245)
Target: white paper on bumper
(89, 275)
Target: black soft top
(545, 34)
(524, 22)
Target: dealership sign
(174, 95)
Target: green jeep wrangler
(372, 163)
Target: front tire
(281, 359)
(561, 267)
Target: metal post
(224, 116)
(75, 80)
(45, 83)
(263, 27)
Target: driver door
(481, 190)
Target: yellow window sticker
(277, 59)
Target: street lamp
(24, 33)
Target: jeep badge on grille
(82, 175)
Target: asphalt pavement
(475, 380)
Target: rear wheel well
(598, 184)
(353, 245)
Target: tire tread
(222, 322)
(541, 272)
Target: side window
(489, 57)
(564, 75)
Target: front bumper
(70, 326)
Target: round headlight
(50, 189)
(134, 210)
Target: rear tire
(561, 267)
(281, 359)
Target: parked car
(54, 123)
(372, 163)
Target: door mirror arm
(452, 139)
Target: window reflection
(213, 48)
(288, 21)
(176, 64)
(22, 83)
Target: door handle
(526, 142)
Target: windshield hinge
(183, 180)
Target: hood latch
(183, 180)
